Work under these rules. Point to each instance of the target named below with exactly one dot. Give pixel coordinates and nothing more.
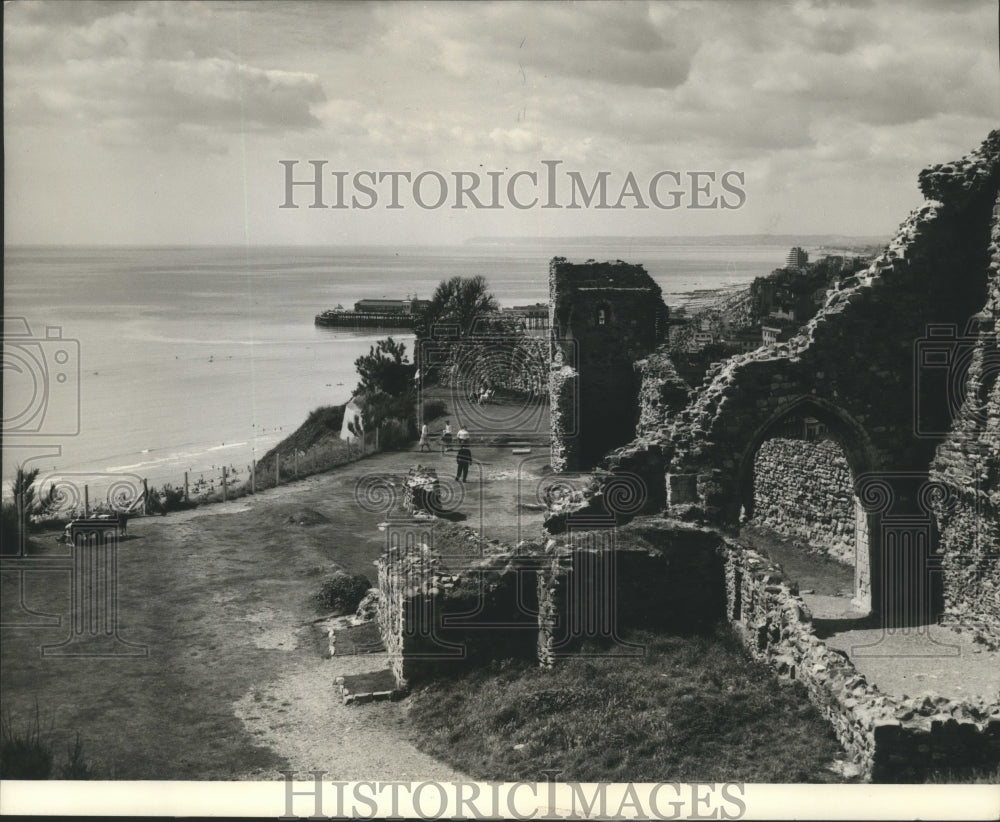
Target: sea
(149, 362)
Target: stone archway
(801, 464)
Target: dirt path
(233, 684)
(295, 716)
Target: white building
(352, 417)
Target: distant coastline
(817, 240)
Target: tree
(385, 369)
(460, 301)
(387, 387)
(14, 517)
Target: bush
(395, 434)
(28, 754)
(8, 529)
(343, 592)
(434, 410)
(24, 755)
(330, 417)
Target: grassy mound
(694, 708)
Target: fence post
(145, 497)
(86, 500)
(225, 488)
(253, 476)
(185, 486)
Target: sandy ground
(298, 716)
(928, 659)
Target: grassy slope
(695, 708)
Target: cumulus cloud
(847, 91)
(149, 70)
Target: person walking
(446, 436)
(463, 436)
(425, 444)
(464, 459)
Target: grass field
(694, 708)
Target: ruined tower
(604, 317)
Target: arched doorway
(799, 505)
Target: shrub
(9, 530)
(395, 434)
(168, 499)
(434, 409)
(330, 417)
(28, 754)
(24, 755)
(343, 592)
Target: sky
(167, 123)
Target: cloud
(142, 72)
(838, 96)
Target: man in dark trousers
(464, 459)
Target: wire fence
(63, 497)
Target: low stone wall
(804, 489)
(421, 490)
(461, 604)
(441, 611)
(598, 583)
(891, 740)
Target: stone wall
(461, 603)
(598, 583)
(564, 393)
(853, 367)
(967, 464)
(603, 317)
(804, 489)
(662, 392)
(448, 602)
(888, 739)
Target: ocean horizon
(188, 358)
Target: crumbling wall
(889, 739)
(598, 583)
(804, 489)
(856, 357)
(564, 393)
(603, 317)
(967, 463)
(449, 602)
(662, 393)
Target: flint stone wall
(968, 463)
(890, 739)
(803, 489)
(497, 603)
(603, 317)
(457, 604)
(601, 582)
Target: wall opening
(800, 506)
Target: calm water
(186, 359)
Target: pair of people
(425, 445)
